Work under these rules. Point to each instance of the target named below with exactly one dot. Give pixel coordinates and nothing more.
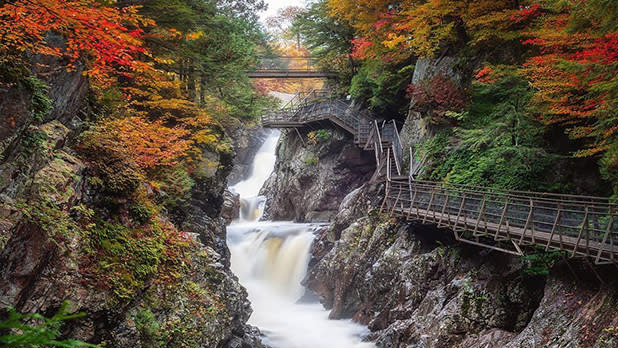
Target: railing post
(412, 198)
(504, 212)
(553, 228)
(528, 220)
(461, 206)
(481, 213)
(396, 201)
(581, 231)
(607, 232)
(444, 208)
(433, 192)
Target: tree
(105, 38)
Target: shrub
(436, 96)
(311, 160)
(35, 330)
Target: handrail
(482, 216)
(579, 226)
(379, 136)
(546, 196)
(397, 148)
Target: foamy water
(270, 260)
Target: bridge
(289, 68)
(502, 220)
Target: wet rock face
(412, 291)
(311, 178)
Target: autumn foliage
(108, 39)
(437, 95)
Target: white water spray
(251, 204)
(271, 259)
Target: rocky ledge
(414, 286)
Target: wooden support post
(387, 192)
(412, 200)
(553, 228)
(607, 232)
(396, 201)
(461, 206)
(478, 219)
(443, 209)
(523, 234)
(532, 231)
(433, 192)
(504, 211)
(581, 231)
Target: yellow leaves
(166, 61)
(394, 40)
(194, 36)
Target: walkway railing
(289, 67)
(314, 106)
(576, 225)
(497, 219)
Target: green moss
(140, 213)
(311, 161)
(149, 328)
(125, 258)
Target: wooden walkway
(508, 221)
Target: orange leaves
(575, 73)
(361, 48)
(486, 75)
(150, 144)
(107, 38)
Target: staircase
(502, 220)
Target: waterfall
(271, 260)
(251, 204)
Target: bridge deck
(577, 225)
(289, 68)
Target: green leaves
(35, 330)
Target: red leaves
(603, 50)
(437, 95)
(96, 34)
(361, 49)
(526, 13)
(485, 75)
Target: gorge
(347, 174)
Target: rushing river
(270, 259)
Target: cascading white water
(270, 259)
(251, 204)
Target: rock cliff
(313, 174)
(47, 256)
(414, 286)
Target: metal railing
(576, 225)
(288, 63)
(316, 105)
(504, 220)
